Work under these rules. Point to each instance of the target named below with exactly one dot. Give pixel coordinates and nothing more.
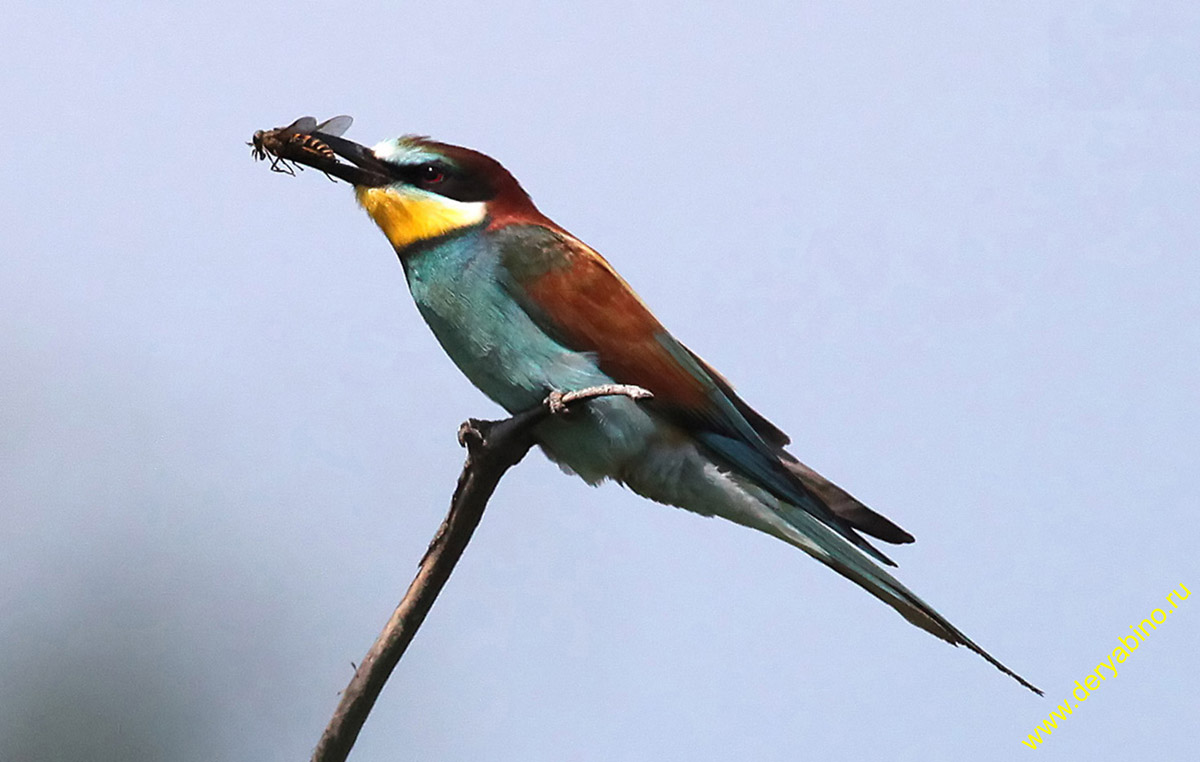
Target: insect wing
(335, 126)
(304, 124)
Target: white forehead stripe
(401, 151)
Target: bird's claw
(556, 403)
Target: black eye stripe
(420, 174)
(444, 180)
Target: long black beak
(365, 169)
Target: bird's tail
(800, 528)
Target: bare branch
(493, 447)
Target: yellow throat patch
(407, 218)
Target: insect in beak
(305, 142)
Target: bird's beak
(365, 168)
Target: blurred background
(951, 249)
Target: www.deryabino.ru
(1108, 668)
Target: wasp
(297, 139)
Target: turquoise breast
(461, 294)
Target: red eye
(431, 173)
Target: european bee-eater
(524, 308)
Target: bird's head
(417, 189)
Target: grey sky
(952, 251)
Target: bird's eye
(432, 173)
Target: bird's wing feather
(770, 433)
(577, 297)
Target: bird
(526, 309)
